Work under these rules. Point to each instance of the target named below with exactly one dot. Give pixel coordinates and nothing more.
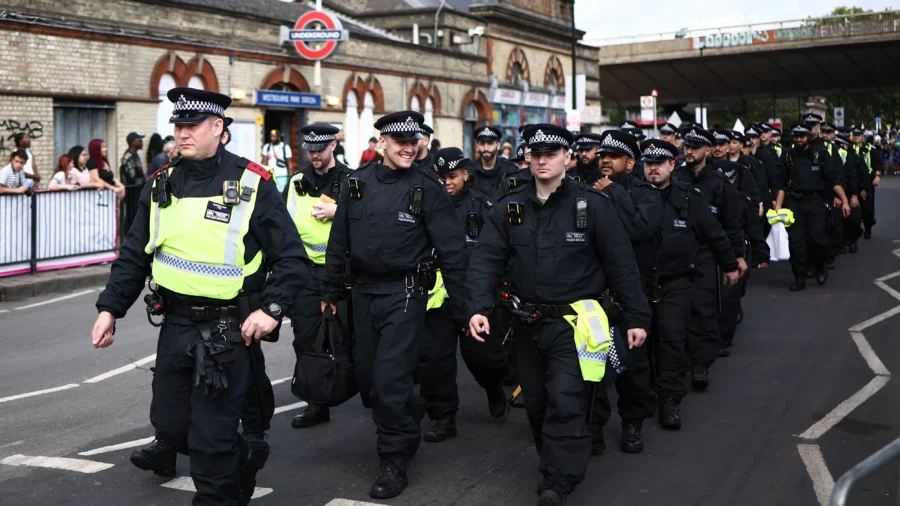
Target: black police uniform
(389, 221)
(857, 180)
(555, 261)
(638, 133)
(495, 182)
(427, 162)
(873, 154)
(223, 463)
(807, 174)
(591, 173)
(486, 361)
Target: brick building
(83, 69)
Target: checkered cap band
(586, 140)
(654, 150)
(185, 105)
(405, 127)
(314, 138)
(487, 132)
(540, 137)
(609, 142)
(719, 136)
(694, 136)
(800, 129)
(451, 164)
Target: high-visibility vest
(197, 243)
(313, 232)
(843, 153)
(438, 294)
(592, 339)
(778, 149)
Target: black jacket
(494, 183)
(587, 176)
(639, 207)
(315, 185)
(722, 202)
(808, 171)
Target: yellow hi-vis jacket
(592, 339)
(785, 216)
(438, 294)
(197, 243)
(313, 232)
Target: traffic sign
(839, 117)
(303, 33)
(647, 102)
(877, 124)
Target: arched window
(367, 120)
(429, 112)
(516, 74)
(414, 104)
(196, 82)
(165, 108)
(352, 148)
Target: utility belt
(531, 313)
(225, 318)
(800, 195)
(421, 279)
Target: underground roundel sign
(317, 44)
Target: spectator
(277, 155)
(339, 148)
(99, 167)
(30, 172)
(11, 180)
(154, 148)
(435, 145)
(168, 154)
(506, 151)
(64, 178)
(370, 153)
(80, 157)
(132, 170)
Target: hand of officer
(742, 267)
(324, 304)
(104, 330)
(761, 210)
(854, 202)
(730, 278)
(323, 211)
(763, 265)
(477, 325)
(775, 207)
(602, 183)
(863, 194)
(876, 181)
(837, 202)
(257, 325)
(636, 337)
(845, 209)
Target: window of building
(469, 122)
(164, 111)
(75, 124)
(429, 112)
(352, 148)
(516, 74)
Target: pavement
(25, 286)
(800, 401)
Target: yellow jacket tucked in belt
(592, 339)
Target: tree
(852, 11)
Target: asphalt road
(753, 439)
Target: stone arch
(554, 66)
(167, 64)
(517, 56)
(200, 67)
(423, 93)
(481, 103)
(285, 75)
(356, 86)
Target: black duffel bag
(326, 375)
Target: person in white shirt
(30, 176)
(11, 175)
(277, 154)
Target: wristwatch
(273, 310)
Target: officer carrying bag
(326, 375)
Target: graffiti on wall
(10, 127)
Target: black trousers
(556, 400)
(853, 225)
(386, 355)
(836, 232)
(703, 337)
(256, 416)
(868, 208)
(486, 361)
(201, 426)
(808, 236)
(637, 400)
(671, 316)
(731, 306)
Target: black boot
(444, 428)
(632, 440)
(256, 435)
(257, 455)
(598, 444)
(669, 413)
(390, 483)
(158, 457)
(799, 284)
(868, 233)
(821, 274)
(552, 497)
(700, 377)
(497, 403)
(830, 264)
(853, 248)
(313, 415)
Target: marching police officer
(390, 216)
(835, 217)
(311, 199)
(638, 206)
(425, 158)
(490, 174)
(637, 132)
(808, 172)
(667, 132)
(719, 150)
(522, 156)
(487, 360)
(566, 244)
(857, 180)
(767, 155)
(587, 168)
(688, 227)
(756, 168)
(704, 338)
(205, 254)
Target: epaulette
(477, 195)
(255, 168)
(366, 166)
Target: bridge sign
(303, 34)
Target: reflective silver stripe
(216, 271)
(233, 234)
(292, 205)
(155, 225)
(594, 322)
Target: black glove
(210, 359)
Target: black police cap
(520, 152)
(635, 132)
(801, 129)
(776, 131)
(721, 135)
(697, 137)
(621, 142)
(747, 141)
(544, 138)
(193, 105)
(426, 129)
(587, 140)
(448, 159)
(726, 167)
(629, 124)
(813, 118)
(827, 127)
(668, 129)
(488, 134)
(752, 130)
(658, 150)
(764, 127)
(405, 125)
(317, 136)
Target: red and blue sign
(303, 34)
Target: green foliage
(844, 11)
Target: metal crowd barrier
(868, 466)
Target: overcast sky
(616, 18)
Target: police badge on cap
(619, 142)
(658, 150)
(813, 118)
(193, 105)
(726, 167)
(488, 134)
(318, 136)
(405, 125)
(801, 129)
(520, 152)
(448, 159)
(721, 135)
(545, 138)
(668, 129)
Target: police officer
(667, 132)
(390, 216)
(688, 227)
(205, 254)
(587, 169)
(487, 360)
(424, 158)
(637, 132)
(856, 179)
(704, 338)
(755, 166)
(808, 172)
(311, 197)
(719, 150)
(776, 140)
(490, 174)
(638, 206)
(567, 244)
(835, 216)
(768, 156)
(865, 151)
(522, 156)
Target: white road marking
(120, 446)
(77, 465)
(887, 277)
(348, 502)
(39, 392)
(14, 443)
(893, 293)
(280, 381)
(815, 464)
(186, 484)
(868, 353)
(845, 408)
(124, 368)
(57, 299)
(289, 407)
(4, 310)
(875, 320)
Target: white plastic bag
(779, 247)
